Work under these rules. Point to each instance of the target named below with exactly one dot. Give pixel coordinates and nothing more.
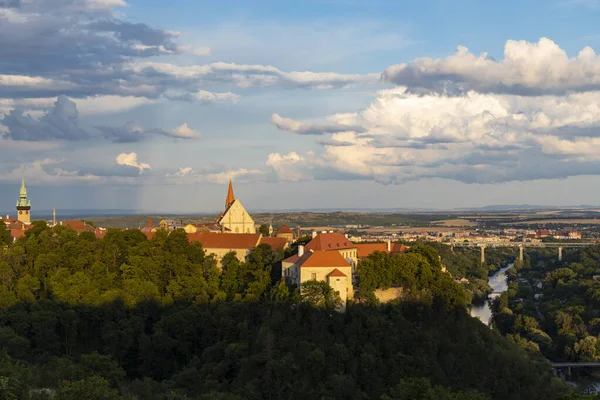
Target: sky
(154, 106)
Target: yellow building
(327, 266)
(335, 241)
(236, 218)
(23, 205)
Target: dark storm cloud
(61, 123)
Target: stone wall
(387, 295)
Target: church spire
(230, 196)
(23, 192)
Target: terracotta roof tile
(399, 248)
(210, 240)
(336, 272)
(322, 259)
(76, 225)
(276, 243)
(366, 249)
(284, 229)
(330, 241)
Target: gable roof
(330, 241)
(366, 249)
(210, 240)
(276, 243)
(336, 272)
(77, 225)
(322, 259)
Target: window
(313, 276)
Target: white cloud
(205, 96)
(482, 138)
(184, 131)
(111, 104)
(131, 160)
(247, 76)
(527, 69)
(335, 124)
(105, 4)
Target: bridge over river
(522, 245)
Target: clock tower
(23, 205)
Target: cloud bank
(533, 115)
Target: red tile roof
(210, 240)
(284, 229)
(17, 233)
(77, 225)
(149, 234)
(336, 272)
(330, 241)
(366, 249)
(276, 243)
(399, 248)
(323, 259)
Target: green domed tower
(23, 205)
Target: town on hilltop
(327, 254)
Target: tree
(320, 294)
(4, 234)
(264, 230)
(92, 388)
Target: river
(499, 285)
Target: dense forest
(129, 318)
(553, 307)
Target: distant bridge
(558, 366)
(521, 246)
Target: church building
(23, 205)
(235, 218)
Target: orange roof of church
(276, 243)
(366, 249)
(149, 234)
(230, 196)
(210, 240)
(322, 259)
(336, 272)
(284, 229)
(330, 241)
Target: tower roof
(23, 192)
(230, 196)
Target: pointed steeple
(230, 196)
(23, 193)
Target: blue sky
(155, 105)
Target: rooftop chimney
(300, 250)
(389, 246)
(314, 234)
